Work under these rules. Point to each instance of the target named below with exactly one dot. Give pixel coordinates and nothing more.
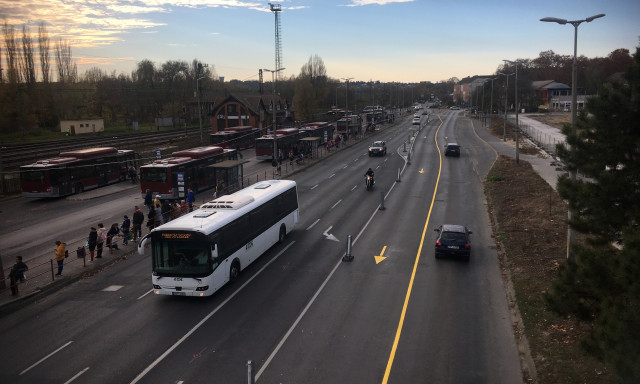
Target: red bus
(75, 171)
(349, 125)
(241, 137)
(320, 129)
(196, 168)
(286, 140)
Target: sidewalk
(544, 163)
(40, 276)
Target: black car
(452, 149)
(378, 148)
(453, 240)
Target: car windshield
(453, 237)
(377, 144)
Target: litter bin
(81, 252)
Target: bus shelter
(228, 176)
(310, 145)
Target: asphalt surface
(75, 268)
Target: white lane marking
(314, 223)
(333, 174)
(314, 187)
(354, 187)
(148, 292)
(44, 358)
(76, 375)
(112, 288)
(334, 205)
(204, 320)
(320, 289)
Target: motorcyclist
(370, 173)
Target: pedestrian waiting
(60, 254)
(16, 275)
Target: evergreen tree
(601, 286)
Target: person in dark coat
(151, 222)
(125, 227)
(148, 199)
(93, 241)
(138, 219)
(17, 274)
(113, 231)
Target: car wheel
(283, 234)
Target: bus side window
(214, 251)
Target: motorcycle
(369, 182)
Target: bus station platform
(41, 279)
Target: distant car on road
(452, 149)
(378, 148)
(453, 240)
(416, 121)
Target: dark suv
(452, 149)
(378, 148)
(453, 240)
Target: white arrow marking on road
(330, 236)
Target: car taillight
(467, 246)
(438, 244)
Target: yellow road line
(415, 268)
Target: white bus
(197, 253)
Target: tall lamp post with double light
(200, 108)
(516, 104)
(273, 107)
(574, 99)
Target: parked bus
(197, 253)
(75, 171)
(286, 139)
(196, 168)
(320, 129)
(241, 137)
(349, 125)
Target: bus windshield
(181, 258)
(153, 174)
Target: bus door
(60, 178)
(102, 170)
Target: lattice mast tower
(275, 8)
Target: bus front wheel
(283, 233)
(234, 272)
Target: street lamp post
(491, 110)
(346, 102)
(516, 105)
(506, 106)
(199, 108)
(574, 100)
(273, 109)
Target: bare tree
(67, 69)
(27, 65)
(12, 55)
(43, 47)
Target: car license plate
(178, 293)
(454, 247)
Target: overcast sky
(385, 40)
